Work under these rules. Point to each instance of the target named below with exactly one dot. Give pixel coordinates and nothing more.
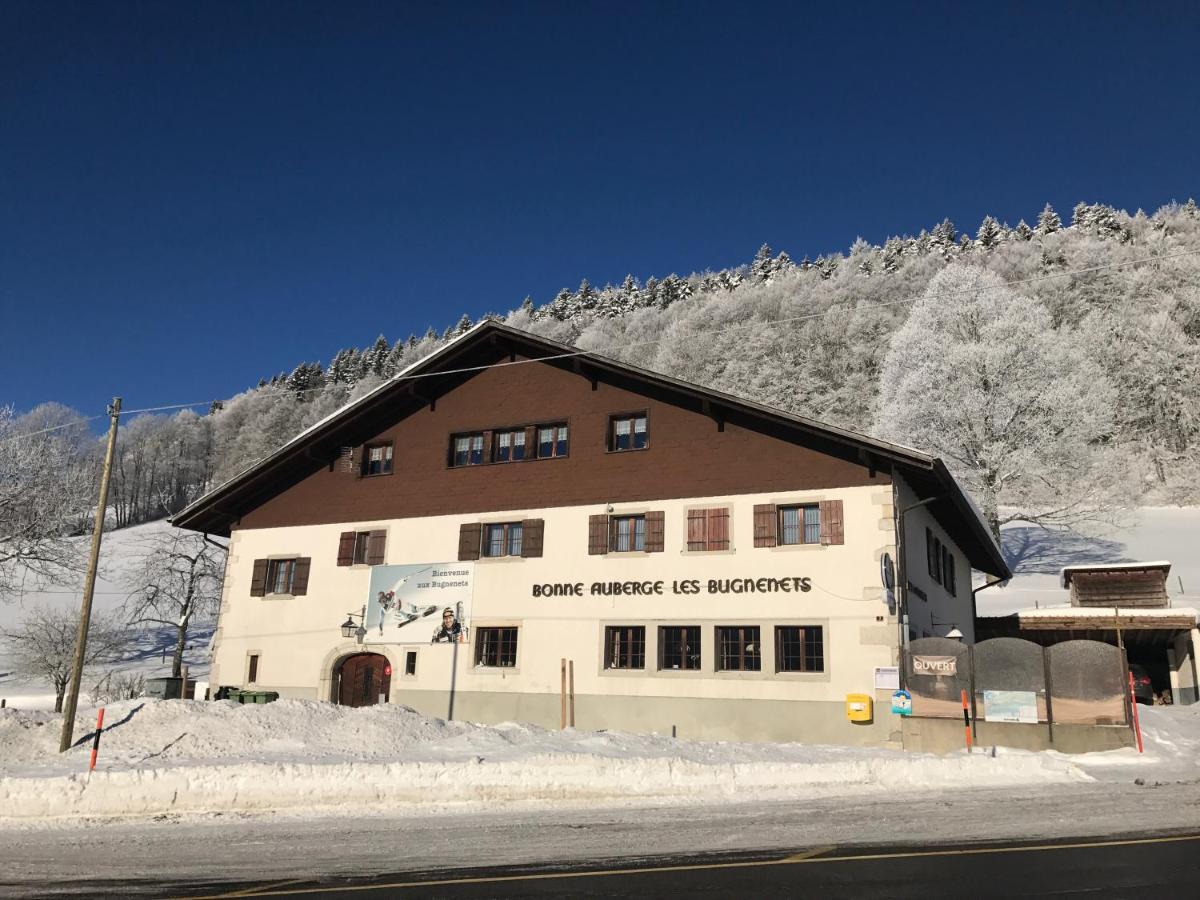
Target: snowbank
(306, 757)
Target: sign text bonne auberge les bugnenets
(684, 586)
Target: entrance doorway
(363, 679)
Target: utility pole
(89, 582)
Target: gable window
(467, 449)
(800, 648)
(377, 459)
(496, 647)
(625, 647)
(552, 441)
(628, 534)
(502, 539)
(628, 432)
(738, 649)
(510, 446)
(281, 574)
(800, 524)
(679, 647)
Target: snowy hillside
(151, 655)
(1036, 556)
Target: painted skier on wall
(403, 595)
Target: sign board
(1010, 706)
(887, 678)
(902, 703)
(405, 604)
(935, 665)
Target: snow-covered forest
(1048, 366)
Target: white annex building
(705, 564)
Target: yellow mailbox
(858, 707)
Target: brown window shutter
(258, 580)
(487, 447)
(345, 555)
(300, 579)
(376, 545)
(598, 534)
(469, 536)
(718, 528)
(656, 530)
(532, 531)
(697, 533)
(832, 528)
(531, 442)
(766, 525)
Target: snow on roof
(1064, 574)
(1105, 612)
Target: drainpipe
(975, 605)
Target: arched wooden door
(363, 679)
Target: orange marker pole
(96, 741)
(1137, 725)
(967, 719)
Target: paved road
(1169, 866)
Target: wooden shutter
(345, 556)
(766, 525)
(598, 534)
(469, 537)
(833, 530)
(300, 578)
(258, 580)
(376, 545)
(717, 528)
(697, 529)
(486, 455)
(531, 442)
(532, 531)
(656, 531)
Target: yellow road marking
(806, 857)
(252, 891)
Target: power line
(603, 350)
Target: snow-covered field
(307, 758)
(118, 550)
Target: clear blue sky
(193, 195)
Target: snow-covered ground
(308, 758)
(118, 551)
(1036, 556)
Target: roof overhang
(491, 343)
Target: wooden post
(1137, 727)
(183, 684)
(966, 720)
(89, 582)
(571, 689)
(1049, 693)
(562, 696)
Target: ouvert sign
(935, 665)
(686, 586)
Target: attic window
(377, 459)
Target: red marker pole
(96, 740)
(1137, 725)
(967, 720)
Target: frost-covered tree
(989, 234)
(177, 586)
(763, 266)
(1048, 221)
(979, 376)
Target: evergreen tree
(989, 234)
(763, 266)
(1048, 222)
(1023, 232)
(943, 237)
(395, 360)
(1190, 210)
(586, 297)
(463, 326)
(527, 306)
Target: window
(679, 647)
(933, 556)
(503, 539)
(628, 534)
(410, 663)
(362, 540)
(467, 449)
(377, 459)
(738, 649)
(281, 574)
(552, 441)
(628, 432)
(510, 446)
(800, 524)
(799, 648)
(708, 529)
(496, 647)
(948, 574)
(252, 669)
(625, 647)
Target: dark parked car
(1143, 690)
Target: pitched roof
(479, 348)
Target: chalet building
(701, 563)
